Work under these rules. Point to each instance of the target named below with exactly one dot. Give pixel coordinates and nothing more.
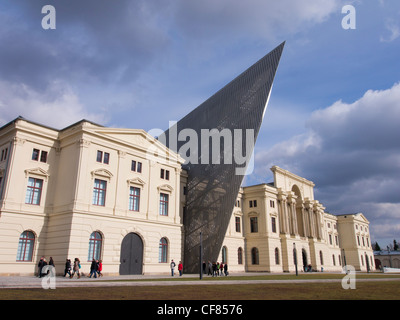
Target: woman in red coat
(180, 268)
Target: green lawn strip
(385, 290)
(262, 277)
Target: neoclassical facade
(92, 192)
(272, 223)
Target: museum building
(93, 192)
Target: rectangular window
(43, 156)
(35, 154)
(134, 199)
(34, 191)
(4, 154)
(99, 156)
(136, 166)
(99, 192)
(163, 204)
(253, 224)
(106, 158)
(273, 223)
(164, 174)
(237, 224)
(272, 203)
(253, 203)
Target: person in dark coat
(67, 267)
(93, 269)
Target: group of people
(180, 268)
(95, 268)
(216, 269)
(42, 263)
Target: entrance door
(131, 259)
(304, 254)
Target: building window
(34, 191)
(253, 203)
(95, 243)
(134, 199)
(99, 192)
(254, 256)
(273, 224)
(321, 258)
(164, 174)
(103, 159)
(272, 203)
(43, 156)
(224, 255)
(276, 256)
(4, 154)
(99, 156)
(240, 256)
(237, 224)
(35, 154)
(333, 260)
(25, 246)
(163, 204)
(330, 239)
(106, 158)
(163, 251)
(253, 224)
(136, 166)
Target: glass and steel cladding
(226, 127)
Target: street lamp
(295, 258)
(201, 256)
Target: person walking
(67, 268)
(209, 268)
(172, 265)
(42, 263)
(93, 269)
(226, 269)
(221, 269)
(75, 269)
(214, 269)
(180, 268)
(51, 262)
(100, 268)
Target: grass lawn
(376, 290)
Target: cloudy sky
(334, 112)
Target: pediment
(165, 187)
(102, 173)
(141, 140)
(136, 181)
(38, 172)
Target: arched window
(163, 251)
(254, 256)
(25, 246)
(321, 258)
(240, 256)
(95, 243)
(276, 256)
(224, 255)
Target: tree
(395, 245)
(376, 247)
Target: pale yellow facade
(283, 217)
(61, 188)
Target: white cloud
(352, 152)
(58, 107)
(394, 31)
